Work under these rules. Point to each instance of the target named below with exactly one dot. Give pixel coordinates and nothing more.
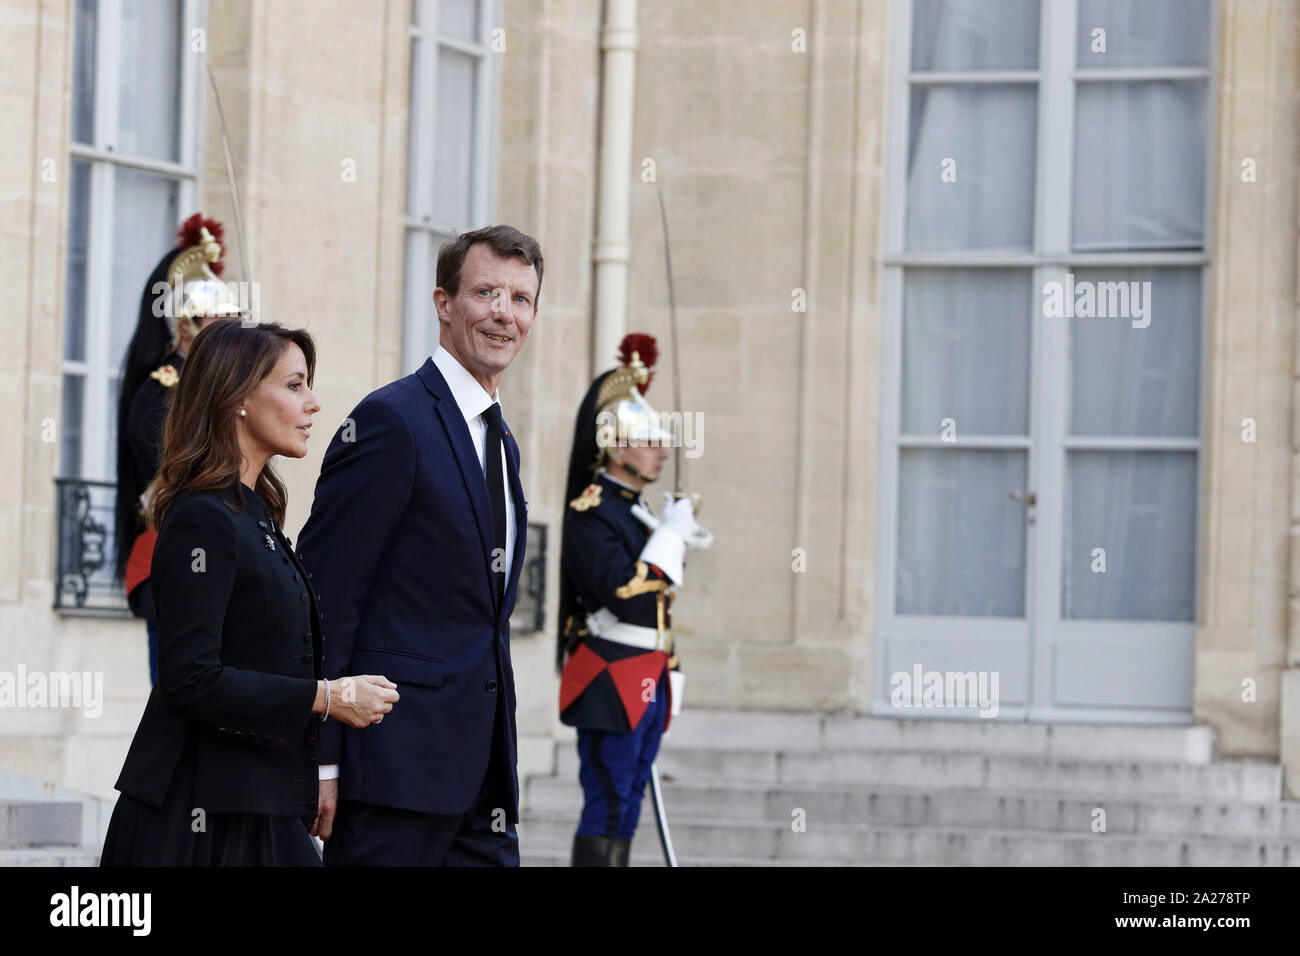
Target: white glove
(679, 514)
(674, 531)
(664, 550)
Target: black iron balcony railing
(83, 575)
(530, 605)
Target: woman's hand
(363, 700)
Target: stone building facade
(779, 136)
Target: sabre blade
(234, 187)
(672, 342)
(661, 817)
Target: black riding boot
(600, 851)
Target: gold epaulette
(166, 375)
(639, 584)
(590, 498)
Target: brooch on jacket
(590, 498)
(166, 376)
(270, 545)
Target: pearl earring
(242, 413)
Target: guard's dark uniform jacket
(145, 418)
(602, 686)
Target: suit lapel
(453, 422)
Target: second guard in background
(620, 682)
(182, 293)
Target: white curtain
(961, 540)
(975, 35)
(1144, 33)
(966, 355)
(1139, 177)
(1139, 165)
(458, 19)
(970, 179)
(454, 138)
(1135, 381)
(1139, 509)
(966, 338)
(83, 72)
(148, 107)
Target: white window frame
(1049, 258)
(100, 368)
(423, 234)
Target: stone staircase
(44, 825)
(905, 792)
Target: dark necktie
(496, 491)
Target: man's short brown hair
(505, 241)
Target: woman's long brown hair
(200, 446)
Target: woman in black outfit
(222, 769)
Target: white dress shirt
(472, 400)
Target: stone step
(794, 732)
(743, 843)
(95, 811)
(838, 804)
(35, 823)
(653, 856)
(1222, 781)
(550, 835)
(50, 856)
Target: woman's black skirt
(141, 835)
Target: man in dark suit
(416, 541)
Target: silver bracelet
(325, 716)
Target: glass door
(1043, 359)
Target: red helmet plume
(648, 350)
(188, 235)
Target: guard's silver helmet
(623, 416)
(201, 293)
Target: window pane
(144, 227)
(971, 167)
(1139, 166)
(420, 321)
(83, 72)
(961, 540)
(149, 99)
(966, 347)
(419, 106)
(1143, 379)
(74, 330)
(70, 432)
(975, 35)
(1144, 33)
(458, 19)
(454, 138)
(109, 417)
(1140, 509)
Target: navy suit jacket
(399, 543)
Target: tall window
(132, 179)
(449, 152)
(1045, 266)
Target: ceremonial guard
(182, 293)
(620, 681)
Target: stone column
(1247, 523)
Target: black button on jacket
(233, 680)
